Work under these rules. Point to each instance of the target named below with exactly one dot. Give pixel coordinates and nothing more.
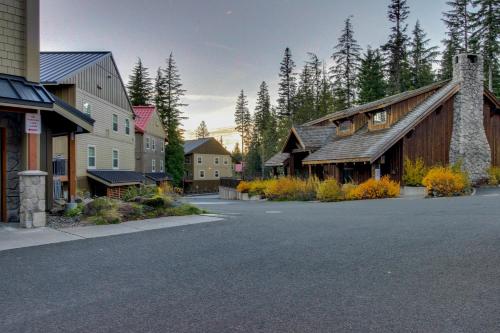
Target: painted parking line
(491, 195)
(273, 212)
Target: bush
(258, 187)
(184, 209)
(243, 187)
(329, 190)
(288, 188)
(158, 201)
(494, 175)
(414, 172)
(74, 212)
(99, 205)
(375, 189)
(131, 211)
(134, 192)
(445, 181)
(107, 217)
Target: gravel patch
(60, 221)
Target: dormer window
(380, 118)
(345, 126)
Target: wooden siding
(492, 128)
(431, 138)
(208, 165)
(102, 80)
(145, 156)
(13, 37)
(65, 92)
(155, 127)
(393, 164)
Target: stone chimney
(469, 144)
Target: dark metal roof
(117, 177)
(56, 66)
(314, 136)
(277, 160)
(158, 176)
(190, 145)
(85, 117)
(367, 145)
(16, 90)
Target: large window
(153, 165)
(91, 160)
(153, 144)
(87, 108)
(116, 159)
(127, 126)
(115, 123)
(380, 118)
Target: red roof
(143, 115)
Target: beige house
(205, 162)
(90, 82)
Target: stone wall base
(32, 187)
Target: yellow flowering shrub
(494, 175)
(329, 190)
(288, 188)
(445, 181)
(414, 172)
(375, 189)
(243, 187)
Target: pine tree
(316, 74)
(371, 77)
(345, 68)
(243, 121)
(451, 48)
(253, 159)
(396, 48)
(202, 131)
(422, 58)
(236, 153)
(486, 34)
(262, 109)
(458, 20)
(168, 94)
(270, 137)
(139, 86)
(305, 97)
(325, 102)
(287, 85)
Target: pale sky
(220, 46)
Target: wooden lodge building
(443, 123)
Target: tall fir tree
(451, 48)
(270, 136)
(485, 23)
(316, 74)
(287, 85)
(168, 95)
(325, 100)
(346, 58)
(396, 48)
(236, 153)
(202, 130)
(305, 97)
(371, 80)
(243, 121)
(422, 57)
(139, 87)
(262, 109)
(458, 20)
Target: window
(153, 165)
(147, 142)
(225, 161)
(87, 108)
(200, 160)
(153, 144)
(162, 146)
(162, 165)
(380, 118)
(345, 126)
(216, 160)
(115, 123)
(115, 158)
(202, 173)
(216, 173)
(187, 160)
(127, 126)
(91, 157)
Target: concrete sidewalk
(12, 236)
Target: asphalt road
(374, 266)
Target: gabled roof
(143, 115)
(277, 160)
(75, 115)
(190, 145)
(56, 66)
(378, 104)
(367, 145)
(158, 176)
(116, 177)
(312, 137)
(204, 146)
(17, 91)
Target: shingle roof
(384, 102)
(368, 146)
(314, 136)
(16, 90)
(143, 116)
(158, 176)
(277, 160)
(116, 177)
(190, 145)
(56, 66)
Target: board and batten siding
(208, 165)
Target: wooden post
(33, 140)
(71, 167)
(4, 175)
(310, 170)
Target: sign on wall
(33, 123)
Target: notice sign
(377, 174)
(33, 123)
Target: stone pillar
(32, 198)
(469, 144)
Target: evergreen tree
(451, 48)
(236, 153)
(243, 121)
(345, 68)
(262, 109)
(371, 77)
(458, 20)
(168, 94)
(253, 159)
(270, 137)
(325, 99)
(421, 58)
(287, 85)
(486, 34)
(396, 48)
(316, 74)
(139, 86)
(305, 97)
(202, 131)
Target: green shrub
(106, 217)
(158, 201)
(184, 209)
(414, 172)
(131, 211)
(98, 205)
(494, 175)
(134, 192)
(329, 190)
(74, 212)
